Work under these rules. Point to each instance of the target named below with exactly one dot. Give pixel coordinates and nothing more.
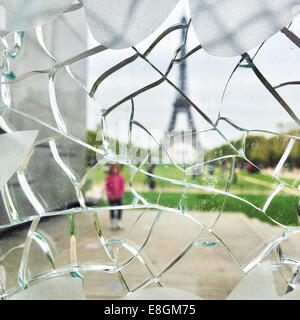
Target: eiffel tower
(181, 105)
(182, 140)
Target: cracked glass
(141, 153)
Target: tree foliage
(261, 150)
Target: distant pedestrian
(115, 191)
(223, 171)
(196, 171)
(151, 181)
(211, 169)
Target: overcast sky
(247, 102)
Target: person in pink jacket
(115, 191)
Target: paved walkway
(270, 185)
(207, 271)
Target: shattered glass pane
(164, 158)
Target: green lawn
(283, 208)
(266, 178)
(171, 172)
